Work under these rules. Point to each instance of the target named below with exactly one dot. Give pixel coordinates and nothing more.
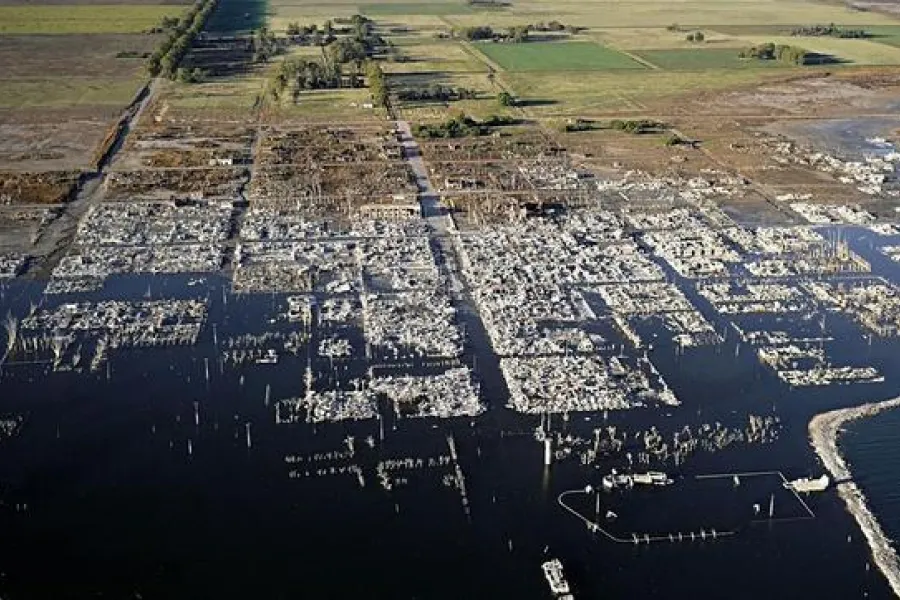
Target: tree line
(462, 126)
(436, 92)
(165, 59)
(358, 28)
(831, 30)
(377, 84)
(515, 34)
(346, 61)
(264, 44)
(780, 52)
(299, 74)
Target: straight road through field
(447, 249)
(432, 209)
(58, 236)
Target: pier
(809, 512)
(640, 538)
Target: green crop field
(885, 34)
(691, 59)
(63, 19)
(557, 56)
(618, 92)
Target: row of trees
(195, 75)
(555, 26)
(265, 45)
(377, 84)
(296, 30)
(436, 92)
(462, 126)
(504, 98)
(637, 126)
(474, 34)
(516, 33)
(165, 24)
(356, 27)
(696, 37)
(346, 50)
(298, 74)
(780, 52)
(166, 58)
(344, 61)
(580, 125)
(831, 30)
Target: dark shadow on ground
(224, 49)
(238, 16)
(528, 102)
(815, 58)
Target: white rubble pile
(736, 298)
(297, 266)
(150, 223)
(419, 323)
(448, 394)
(576, 383)
(825, 214)
(399, 264)
(125, 324)
(330, 405)
(11, 264)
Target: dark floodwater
(100, 499)
(874, 455)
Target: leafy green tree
(377, 84)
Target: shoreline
(824, 432)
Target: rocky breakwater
(824, 430)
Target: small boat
(553, 572)
(806, 485)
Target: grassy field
(83, 19)
(326, 106)
(658, 38)
(859, 52)
(54, 56)
(885, 34)
(611, 92)
(660, 14)
(557, 56)
(235, 94)
(435, 57)
(627, 59)
(415, 8)
(60, 92)
(699, 59)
